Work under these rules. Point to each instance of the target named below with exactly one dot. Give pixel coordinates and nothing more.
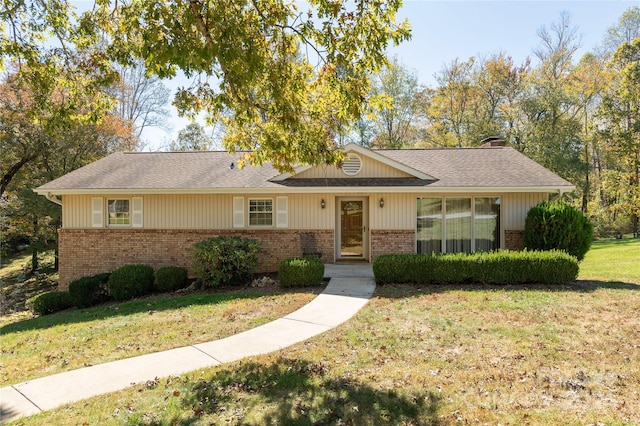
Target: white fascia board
(366, 152)
(386, 160)
(314, 190)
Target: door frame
(365, 230)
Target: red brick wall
(392, 241)
(514, 240)
(85, 252)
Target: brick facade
(85, 252)
(514, 240)
(392, 241)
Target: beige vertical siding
(515, 207)
(304, 210)
(370, 169)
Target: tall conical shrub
(558, 225)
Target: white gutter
(53, 198)
(313, 190)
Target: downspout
(53, 198)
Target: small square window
(261, 212)
(118, 212)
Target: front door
(352, 228)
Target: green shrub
(300, 272)
(171, 278)
(130, 281)
(499, 267)
(90, 291)
(52, 301)
(558, 226)
(225, 260)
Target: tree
(54, 79)
(627, 30)
(287, 107)
(620, 109)
(141, 100)
(192, 138)
(553, 134)
(396, 104)
(451, 106)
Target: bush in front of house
(50, 302)
(130, 281)
(560, 226)
(500, 267)
(171, 278)
(90, 291)
(225, 260)
(300, 272)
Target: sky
(445, 30)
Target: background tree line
(78, 87)
(577, 116)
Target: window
(429, 225)
(458, 225)
(261, 212)
(118, 212)
(465, 223)
(487, 223)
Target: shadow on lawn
(579, 286)
(153, 303)
(298, 392)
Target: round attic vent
(352, 165)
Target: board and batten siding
(516, 206)
(304, 211)
(370, 169)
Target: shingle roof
(180, 171)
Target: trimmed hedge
(50, 302)
(499, 267)
(558, 226)
(225, 260)
(300, 272)
(130, 281)
(171, 278)
(90, 291)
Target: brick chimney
(492, 141)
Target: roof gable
(374, 165)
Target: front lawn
(443, 355)
(78, 338)
(612, 260)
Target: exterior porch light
(323, 204)
(381, 202)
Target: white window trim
(116, 225)
(473, 218)
(273, 213)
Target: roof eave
(310, 190)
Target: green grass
(612, 260)
(445, 355)
(418, 356)
(16, 286)
(77, 338)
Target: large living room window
(457, 224)
(118, 212)
(429, 225)
(261, 212)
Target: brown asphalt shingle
(464, 167)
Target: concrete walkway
(349, 289)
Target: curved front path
(349, 289)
